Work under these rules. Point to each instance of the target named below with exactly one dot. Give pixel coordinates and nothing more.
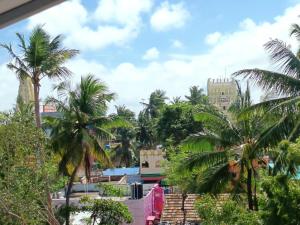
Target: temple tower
(222, 92)
(25, 93)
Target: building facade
(222, 92)
(151, 167)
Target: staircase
(173, 213)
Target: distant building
(222, 92)
(49, 107)
(151, 167)
(25, 92)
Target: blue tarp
(121, 171)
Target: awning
(11, 11)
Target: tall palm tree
(285, 83)
(229, 149)
(122, 153)
(148, 117)
(176, 100)
(146, 132)
(196, 96)
(39, 57)
(156, 102)
(78, 134)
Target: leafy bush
(106, 212)
(281, 204)
(213, 211)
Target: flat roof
(11, 11)
(121, 171)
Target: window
(145, 164)
(224, 107)
(222, 93)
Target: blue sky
(137, 46)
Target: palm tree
(40, 57)
(156, 102)
(146, 131)
(229, 149)
(147, 119)
(196, 96)
(286, 158)
(122, 154)
(78, 133)
(176, 100)
(285, 83)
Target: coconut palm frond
(282, 55)
(273, 134)
(295, 31)
(268, 80)
(205, 159)
(214, 179)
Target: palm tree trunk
(249, 189)
(69, 189)
(184, 196)
(36, 90)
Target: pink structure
(147, 209)
(153, 204)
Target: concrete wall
(154, 159)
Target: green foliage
(155, 104)
(40, 56)
(111, 190)
(146, 132)
(286, 158)
(147, 119)
(123, 149)
(285, 82)
(176, 123)
(197, 96)
(212, 210)
(22, 176)
(281, 204)
(79, 133)
(176, 176)
(223, 156)
(106, 212)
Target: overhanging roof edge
(25, 10)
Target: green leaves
(22, 178)
(80, 131)
(40, 56)
(281, 54)
(268, 80)
(221, 209)
(281, 205)
(205, 159)
(106, 212)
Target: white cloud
(117, 22)
(64, 18)
(234, 51)
(169, 16)
(124, 12)
(9, 88)
(151, 54)
(213, 38)
(177, 44)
